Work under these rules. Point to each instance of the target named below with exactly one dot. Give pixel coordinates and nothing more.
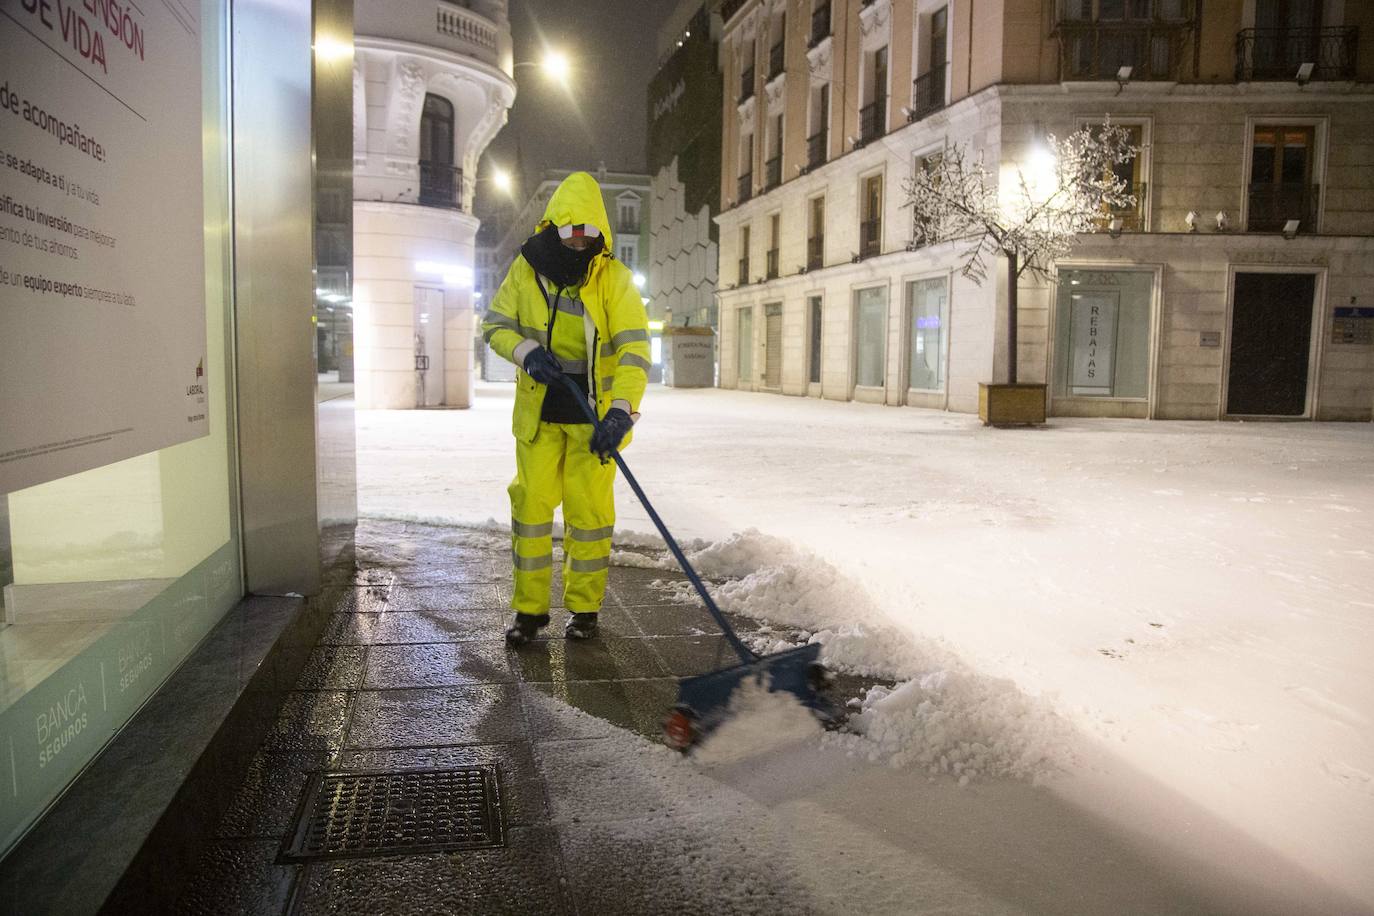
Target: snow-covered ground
(1168, 627)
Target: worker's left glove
(609, 432)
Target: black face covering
(563, 265)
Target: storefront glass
(928, 304)
(870, 336)
(112, 576)
(1102, 340)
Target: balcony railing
(772, 173)
(1273, 205)
(870, 237)
(873, 120)
(928, 93)
(628, 227)
(815, 252)
(746, 85)
(1098, 51)
(775, 60)
(820, 25)
(1132, 217)
(743, 271)
(772, 264)
(441, 185)
(746, 187)
(816, 149)
(1276, 54)
(1138, 11)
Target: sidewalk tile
(309, 721)
(438, 665)
(524, 877)
(333, 668)
(479, 714)
(601, 659)
(237, 876)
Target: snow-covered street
(1167, 625)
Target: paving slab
(412, 673)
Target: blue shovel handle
(746, 655)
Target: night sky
(611, 46)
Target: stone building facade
(1240, 284)
(431, 88)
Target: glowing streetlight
(556, 66)
(640, 280)
(501, 178)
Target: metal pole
(1011, 317)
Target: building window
(745, 330)
(772, 173)
(1102, 337)
(815, 234)
(744, 256)
(774, 245)
(746, 166)
(441, 185)
(922, 235)
(1133, 174)
(1100, 37)
(873, 116)
(628, 211)
(870, 336)
(818, 141)
(627, 250)
(1282, 186)
(871, 218)
(928, 90)
(928, 306)
(777, 52)
(814, 316)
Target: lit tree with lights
(1074, 186)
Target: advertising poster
(102, 286)
(1092, 334)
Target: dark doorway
(1271, 337)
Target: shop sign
(102, 256)
(1092, 342)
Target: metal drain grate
(408, 811)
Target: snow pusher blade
(704, 701)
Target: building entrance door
(772, 372)
(429, 346)
(1271, 339)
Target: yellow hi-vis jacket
(613, 318)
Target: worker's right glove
(608, 434)
(542, 366)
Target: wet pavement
(413, 673)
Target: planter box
(1011, 405)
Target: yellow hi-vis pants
(558, 467)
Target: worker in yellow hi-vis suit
(568, 308)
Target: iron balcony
(441, 185)
(928, 93)
(1276, 54)
(1273, 205)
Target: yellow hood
(578, 200)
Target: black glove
(541, 366)
(609, 432)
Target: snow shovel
(703, 701)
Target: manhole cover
(373, 814)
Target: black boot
(581, 625)
(525, 627)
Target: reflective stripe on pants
(558, 467)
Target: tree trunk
(1011, 317)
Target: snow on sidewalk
(1154, 611)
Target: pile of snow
(941, 717)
